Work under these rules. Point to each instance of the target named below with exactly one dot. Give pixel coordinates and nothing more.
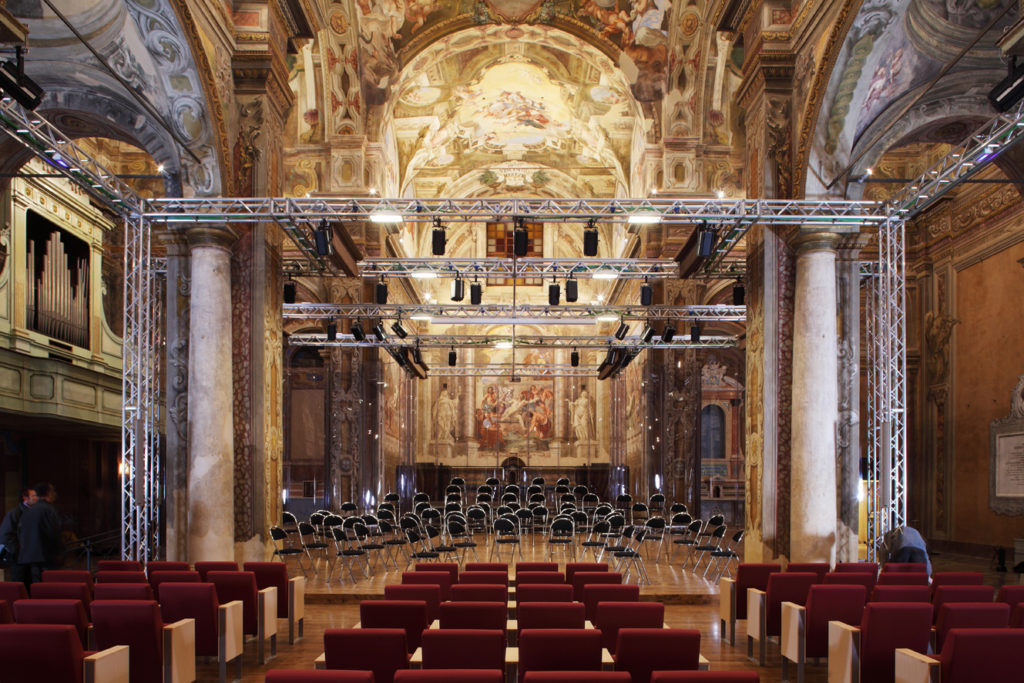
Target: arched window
(712, 433)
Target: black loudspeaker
(572, 291)
(590, 242)
(476, 293)
(646, 294)
(289, 292)
(332, 331)
(452, 358)
(694, 333)
(554, 293)
(706, 242)
(574, 359)
(322, 240)
(382, 293)
(438, 241)
(520, 241)
(357, 331)
(739, 294)
(458, 289)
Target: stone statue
(581, 417)
(938, 328)
(1017, 400)
(445, 416)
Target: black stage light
(1006, 94)
(706, 241)
(694, 333)
(322, 238)
(458, 289)
(379, 333)
(574, 358)
(620, 333)
(554, 293)
(417, 357)
(15, 83)
(476, 293)
(668, 333)
(646, 294)
(438, 238)
(382, 292)
(399, 330)
(452, 358)
(289, 292)
(590, 238)
(572, 291)
(332, 331)
(739, 294)
(520, 239)
(357, 331)
(648, 334)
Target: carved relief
(780, 148)
(246, 154)
(938, 329)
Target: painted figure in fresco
(580, 415)
(445, 416)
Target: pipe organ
(57, 292)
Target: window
(499, 244)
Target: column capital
(817, 239)
(174, 242)
(210, 236)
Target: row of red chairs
(576, 576)
(497, 676)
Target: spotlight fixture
(382, 292)
(476, 293)
(669, 332)
(590, 238)
(458, 289)
(452, 357)
(554, 293)
(695, 333)
(621, 331)
(520, 238)
(379, 333)
(332, 331)
(322, 238)
(572, 290)
(574, 358)
(399, 330)
(289, 292)
(706, 241)
(16, 84)
(357, 331)
(646, 294)
(648, 334)
(438, 238)
(739, 293)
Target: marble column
(815, 400)
(210, 440)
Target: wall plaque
(1006, 445)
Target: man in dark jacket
(39, 544)
(9, 536)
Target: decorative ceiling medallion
(519, 11)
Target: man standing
(9, 536)
(39, 535)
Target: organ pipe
(58, 297)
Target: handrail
(87, 542)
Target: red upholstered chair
(123, 591)
(732, 604)
(969, 615)
(302, 676)
(259, 607)
(571, 649)
(450, 567)
(428, 593)
(484, 577)
(764, 608)
(956, 579)
(380, 650)
(70, 612)
(705, 677)
(573, 568)
(68, 576)
(957, 593)
(158, 651)
(866, 652)
(167, 566)
(483, 615)
(121, 576)
(53, 653)
(10, 591)
(643, 650)
(577, 677)
(1017, 615)
(916, 567)
(158, 577)
(991, 654)
(486, 567)
(479, 592)
(449, 676)
(818, 568)
(441, 579)
(6, 614)
(581, 579)
(119, 566)
(805, 628)
(857, 567)
(610, 592)
(62, 591)
(902, 579)
(218, 627)
(205, 568)
(612, 616)
(851, 579)
(536, 567)
(551, 615)
(901, 594)
(463, 649)
(549, 577)
(410, 615)
(291, 593)
(1011, 595)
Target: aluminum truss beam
(512, 371)
(502, 313)
(519, 341)
(520, 267)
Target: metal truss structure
(519, 267)
(509, 370)
(500, 341)
(514, 314)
